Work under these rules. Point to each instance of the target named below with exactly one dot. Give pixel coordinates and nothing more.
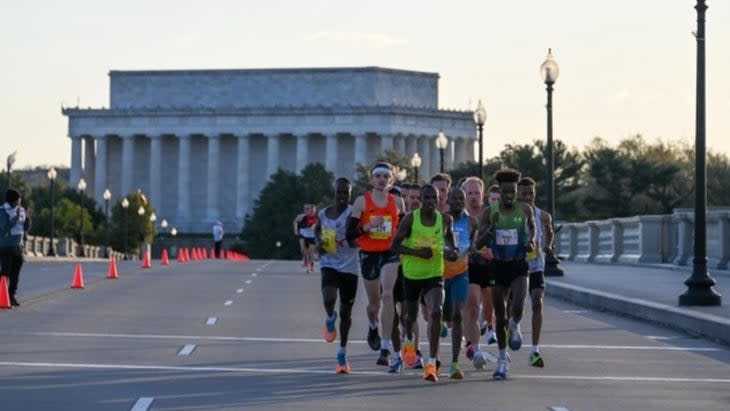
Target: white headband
(381, 169)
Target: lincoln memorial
(201, 144)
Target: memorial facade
(201, 144)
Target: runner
(340, 268)
(510, 229)
(456, 278)
(425, 238)
(413, 202)
(304, 229)
(526, 192)
(374, 221)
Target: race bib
(506, 237)
(329, 242)
(307, 232)
(381, 232)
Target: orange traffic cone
(146, 263)
(78, 277)
(186, 257)
(113, 273)
(165, 257)
(4, 296)
(212, 254)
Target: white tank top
(340, 255)
(538, 263)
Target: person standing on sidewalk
(218, 238)
(14, 222)
(536, 260)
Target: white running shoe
(480, 360)
(515, 338)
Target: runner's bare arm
(296, 221)
(530, 226)
(483, 234)
(450, 252)
(473, 223)
(353, 223)
(547, 227)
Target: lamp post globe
(125, 207)
(480, 118)
(416, 164)
(52, 174)
(107, 195)
(82, 187)
(441, 143)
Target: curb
(693, 322)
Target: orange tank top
(379, 238)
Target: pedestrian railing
(36, 246)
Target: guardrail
(65, 247)
(657, 239)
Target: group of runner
(437, 247)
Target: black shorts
(372, 262)
(344, 282)
(504, 272)
(307, 241)
(479, 272)
(415, 289)
(537, 280)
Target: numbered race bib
(307, 232)
(329, 242)
(461, 240)
(506, 237)
(426, 242)
(383, 231)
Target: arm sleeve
(353, 229)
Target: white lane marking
(664, 338)
(143, 404)
(211, 321)
(319, 340)
(258, 269)
(254, 275)
(227, 303)
(248, 281)
(187, 349)
(558, 409)
(576, 311)
(157, 367)
(239, 291)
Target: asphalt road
(252, 334)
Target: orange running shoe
(409, 353)
(343, 366)
(430, 373)
(329, 332)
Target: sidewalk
(647, 293)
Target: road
(251, 332)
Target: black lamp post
(549, 70)
(125, 207)
(416, 164)
(107, 195)
(441, 143)
(699, 284)
(140, 212)
(9, 163)
(52, 174)
(480, 117)
(81, 186)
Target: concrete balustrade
(649, 239)
(35, 246)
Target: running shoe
(374, 339)
(329, 332)
(480, 360)
(502, 367)
(515, 337)
(469, 351)
(342, 367)
(396, 366)
(491, 336)
(431, 373)
(536, 360)
(384, 358)
(419, 360)
(455, 371)
(482, 327)
(409, 353)
(444, 330)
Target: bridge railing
(652, 239)
(36, 246)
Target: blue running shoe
(330, 331)
(419, 360)
(396, 366)
(342, 367)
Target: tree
(127, 223)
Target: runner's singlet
(339, 255)
(378, 238)
(510, 233)
(306, 226)
(462, 240)
(417, 268)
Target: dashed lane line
(228, 303)
(187, 349)
(239, 291)
(143, 404)
(211, 321)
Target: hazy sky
(626, 66)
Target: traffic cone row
(4, 295)
(113, 273)
(78, 281)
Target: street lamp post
(416, 164)
(173, 233)
(9, 163)
(699, 284)
(163, 224)
(81, 186)
(107, 196)
(52, 174)
(441, 143)
(140, 212)
(549, 70)
(480, 117)
(125, 207)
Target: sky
(626, 66)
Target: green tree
(128, 223)
(718, 180)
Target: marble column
(127, 163)
(449, 155)
(75, 160)
(242, 194)
(272, 157)
(331, 153)
(471, 150)
(436, 157)
(156, 170)
(426, 155)
(400, 145)
(214, 150)
(360, 152)
(302, 151)
(386, 142)
(183, 181)
(459, 150)
(100, 183)
(89, 164)
(411, 146)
